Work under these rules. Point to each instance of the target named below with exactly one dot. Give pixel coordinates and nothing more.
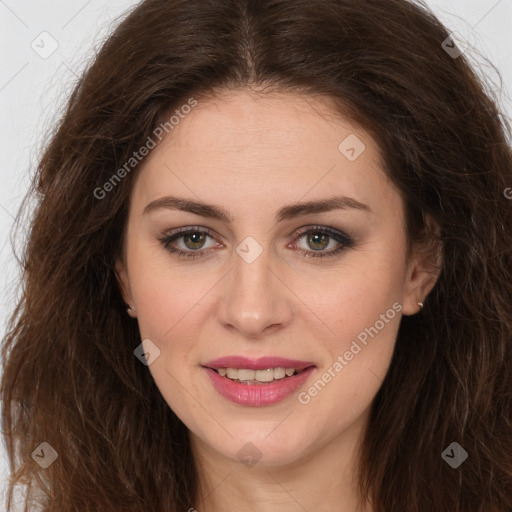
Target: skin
(252, 155)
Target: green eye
(194, 239)
(318, 239)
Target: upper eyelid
(298, 232)
(333, 233)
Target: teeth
(245, 375)
(279, 373)
(232, 373)
(264, 375)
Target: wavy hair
(70, 376)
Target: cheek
(170, 311)
(168, 307)
(361, 308)
(362, 325)
(356, 297)
(356, 356)
(166, 292)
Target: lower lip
(257, 395)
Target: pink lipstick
(257, 382)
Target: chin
(262, 449)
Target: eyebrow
(287, 212)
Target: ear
(424, 268)
(124, 286)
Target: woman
(269, 269)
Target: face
(286, 248)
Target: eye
(317, 237)
(193, 239)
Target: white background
(33, 89)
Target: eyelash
(345, 241)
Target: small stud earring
(130, 310)
(420, 304)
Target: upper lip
(261, 363)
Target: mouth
(260, 382)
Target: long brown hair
(70, 376)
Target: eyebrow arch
(287, 212)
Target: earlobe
(124, 287)
(421, 281)
(424, 271)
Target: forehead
(243, 121)
(241, 146)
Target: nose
(256, 300)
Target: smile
(256, 383)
